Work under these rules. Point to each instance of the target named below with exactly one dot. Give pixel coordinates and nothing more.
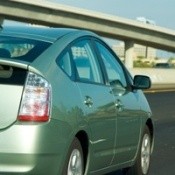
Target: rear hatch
(16, 54)
(12, 80)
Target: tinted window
(114, 69)
(65, 63)
(11, 75)
(20, 48)
(86, 63)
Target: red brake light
(36, 100)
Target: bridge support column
(129, 53)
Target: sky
(160, 11)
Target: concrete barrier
(160, 78)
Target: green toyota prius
(68, 106)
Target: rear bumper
(34, 148)
(29, 164)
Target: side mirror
(141, 82)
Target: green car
(68, 106)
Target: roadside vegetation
(154, 63)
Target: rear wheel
(142, 164)
(74, 164)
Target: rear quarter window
(21, 48)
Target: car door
(127, 106)
(98, 104)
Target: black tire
(74, 163)
(142, 164)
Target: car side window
(86, 63)
(65, 63)
(114, 69)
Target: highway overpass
(53, 14)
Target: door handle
(88, 101)
(119, 105)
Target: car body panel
(16, 63)
(48, 34)
(100, 117)
(128, 127)
(38, 146)
(10, 96)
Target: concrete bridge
(54, 14)
(130, 31)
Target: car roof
(48, 34)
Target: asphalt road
(163, 158)
(163, 107)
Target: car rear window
(21, 48)
(12, 75)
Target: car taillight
(36, 99)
